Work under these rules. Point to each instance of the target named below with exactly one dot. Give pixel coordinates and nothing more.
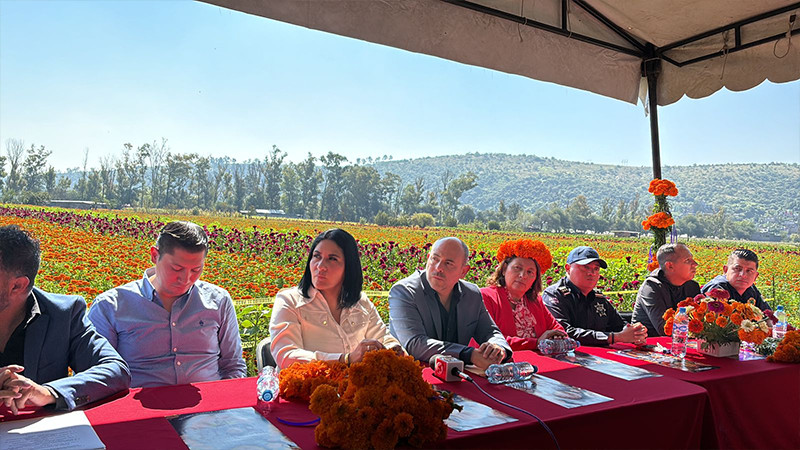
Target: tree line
(329, 187)
(152, 176)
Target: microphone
(447, 368)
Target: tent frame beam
(562, 31)
(641, 49)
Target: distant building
(77, 204)
(623, 233)
(264, 212)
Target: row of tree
(152, 176)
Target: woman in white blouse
(327, 317)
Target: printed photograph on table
(606, 366)
(686, 365)
(559, 393)
(212, 431)
(475, 415)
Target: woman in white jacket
(327, 316)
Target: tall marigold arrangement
(526, 248)
(661, 221)
(788, 350)
(382, 401)
(716, 320)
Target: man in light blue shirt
(170, 327)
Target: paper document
(64, 431)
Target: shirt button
(179, 363)
(324, 322)
(174, 324)
(175, 349)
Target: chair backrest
(264, 355)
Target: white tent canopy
(624, 49)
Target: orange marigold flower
(736, 318)
(662, 187)
(702, 307)
(789, 349)
(653, 265)
(526, 248)
(658, 220)
(695, 326)
(710, 317)
(721, 321)
(668, 327)
(668, 314)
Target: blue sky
(96, 74)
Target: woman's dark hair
(498, 278)
(353, 277)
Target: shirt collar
(428, 290)
(575, 290)
(312, 292)
(148, 290)
(32, 309)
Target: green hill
(766, 194)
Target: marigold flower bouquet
(661, 221)
(376, 403)
(717, 321)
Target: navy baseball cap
(584, 255)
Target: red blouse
(496, 301)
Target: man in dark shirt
(436, 312)
(671, 283)
(738, 276)
(584, 312)
(43, 334)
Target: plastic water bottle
(510, 372)
(779, 330)
(680, 329)
(267, 385)
(557, 346)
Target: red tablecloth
(661, 412)
(752, 404)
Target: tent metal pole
(652, 68)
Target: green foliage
(422, 220)
(253, 327)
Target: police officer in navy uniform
(584, 312)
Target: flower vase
(718, 350)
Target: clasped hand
(18, 391)
(488, 354)
(634, 333)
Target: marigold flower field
(86, 253)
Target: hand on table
(553, 334)
(488, 354)
(18, 391)
(9, 392)
(634, 333)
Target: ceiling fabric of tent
(598, 45)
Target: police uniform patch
(600, 309)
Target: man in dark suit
(43, 334)
(435, 312)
